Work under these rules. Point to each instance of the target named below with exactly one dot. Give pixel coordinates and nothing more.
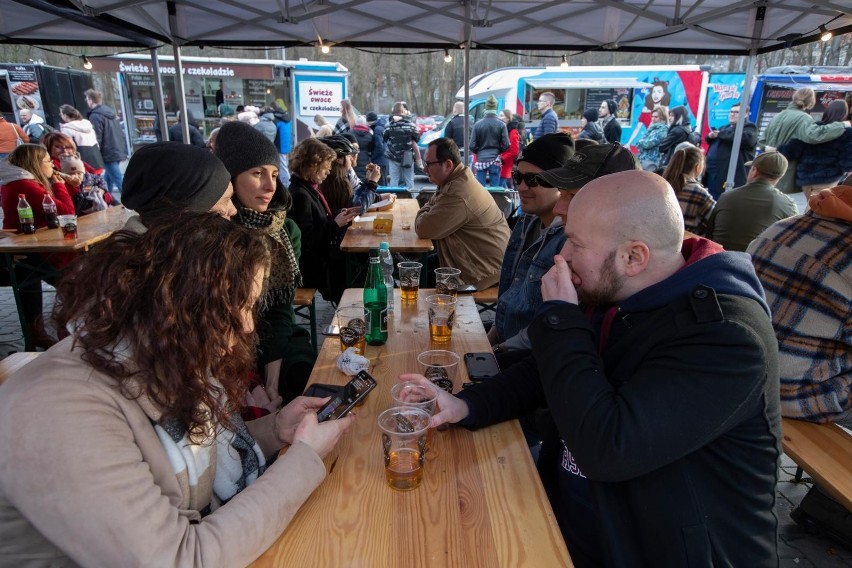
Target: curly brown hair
(308, 157)
(163, 313)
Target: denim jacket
(520, 279)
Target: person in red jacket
(28, 171)
(61, 145)
(508, 157)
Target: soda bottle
(376, 301)
(49, 206)
(25, 214)
(386, 260)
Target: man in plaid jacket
(805, 265)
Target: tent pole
(184, 122)
(757, 29)
(158, 96)
(467, 43)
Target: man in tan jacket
(462, 218)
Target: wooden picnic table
(91, 229)
(481, 502)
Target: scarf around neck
(284, 274)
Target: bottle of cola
(49, 206)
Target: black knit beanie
(241, 147)
(591, 115)
(612, 106)
(550, 151)
(166, 176)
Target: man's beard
(609, 283)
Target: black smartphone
(351, 394)
(320, 390)
(481, 366)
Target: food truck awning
(689, 26)
(608, 83)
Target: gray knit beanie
(241, 147)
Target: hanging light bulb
(324, 48)
(447, 57)
(825, 35)
(564, 63)
(86, 63)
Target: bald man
(663, 389)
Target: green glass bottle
(376, 301)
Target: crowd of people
(650, 333)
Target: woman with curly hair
(682, 173)
(322, 263)
(285, 354)
(123, 445)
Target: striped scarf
(284, 274)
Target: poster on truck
(23, 84)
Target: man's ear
(636, 257)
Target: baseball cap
(591, 162)
(772, 164)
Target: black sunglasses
(532, 180)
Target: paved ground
(798, 547)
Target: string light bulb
(447, 57)
(87, 65)
(324, 48)
(564, 63)
(825, 35)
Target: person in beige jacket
(118, 447)
(462, 218)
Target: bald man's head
(633, 205)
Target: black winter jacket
(674, 426)
(677, 134)
(109, 133)
(321, 262)
(724, 143)
(399, 135)
(820, 163)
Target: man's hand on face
(557, 284)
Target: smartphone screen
(353, 393)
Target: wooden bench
(303, 300)
(825, 452)
(11, 364)
(486, 300)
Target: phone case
(349, 397)
(481, 366)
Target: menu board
(622, 97)
(256, 92)
(24, 87)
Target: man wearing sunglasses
(468, 228)
(537, 237)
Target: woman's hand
(346, 215)
(290, 416)
(374, 172)
(450, 409)
(321, 437)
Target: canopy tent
(723, 27)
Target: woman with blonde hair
(795, 122)
(29, 171)
(682, 173)
(322, 263)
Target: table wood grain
(481, 503)
(360, 237)
(91, 229)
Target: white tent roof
(684, 26)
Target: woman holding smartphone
(123, 445)
(323, 228)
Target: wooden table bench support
(303, 300)
(825, 452)
(486, 300)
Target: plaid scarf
(284, 275)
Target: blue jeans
(113, 175)
(493, 174)
(400, 175)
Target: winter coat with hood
(109, 134)
(677, 133)
(659, 403)
(266, 126)
(365, 138)
(649, 144)
(83, 133)
(592, 131)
